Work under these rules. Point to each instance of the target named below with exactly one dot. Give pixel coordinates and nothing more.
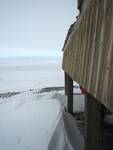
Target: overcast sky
(31, 27)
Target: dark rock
(9, 94)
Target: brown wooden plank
(88, 55)
(69, 92)
(92, 123)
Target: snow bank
(59, 141)
(33, 122)
(78, 101)
(76, 139)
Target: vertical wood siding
(88, 54)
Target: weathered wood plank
(88, 54)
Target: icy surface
(18, 74)
(79, 103)
(29, 121)
(32, 120)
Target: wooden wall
(88, 54)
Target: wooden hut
(88, 59)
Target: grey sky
(34, 24)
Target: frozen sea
(26, 120)
(22, 74)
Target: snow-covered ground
(28, 121)
(32, 120)
(20, 74)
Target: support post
(92, 123)
(66, 83)
(69, 92)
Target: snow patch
(31, 121)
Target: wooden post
(66, 83)
(92, 123)
(69, 92)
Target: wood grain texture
(88, 53)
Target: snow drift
(33, 122)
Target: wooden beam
(66, 83)
(92, 123)
(69, 92)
